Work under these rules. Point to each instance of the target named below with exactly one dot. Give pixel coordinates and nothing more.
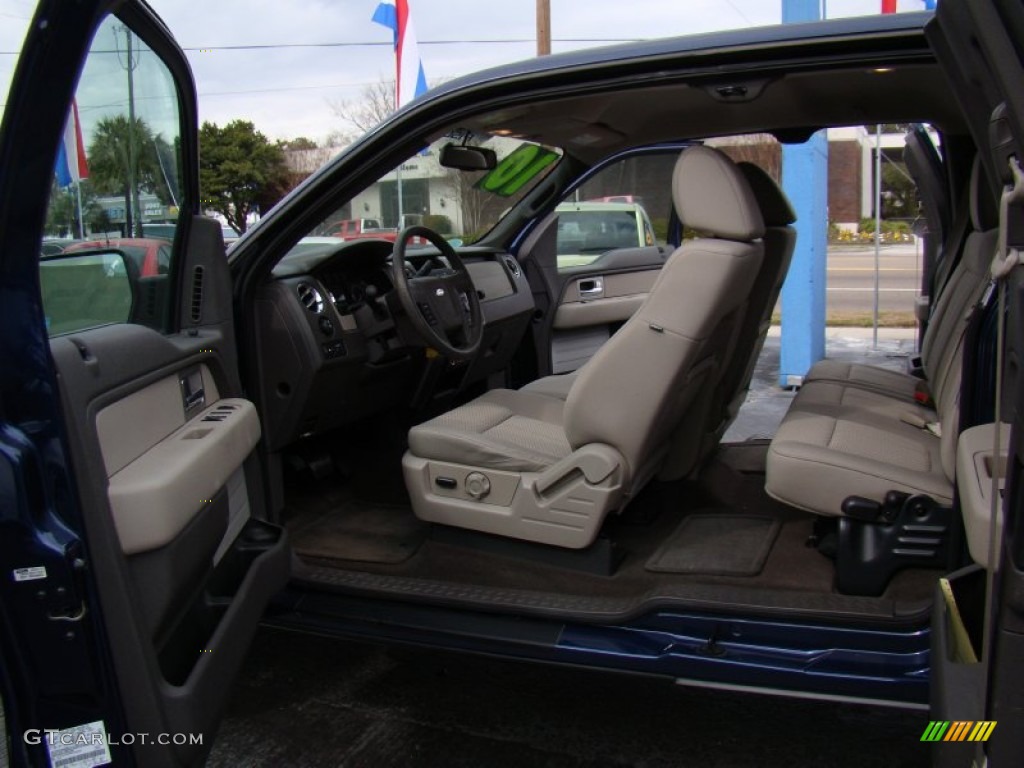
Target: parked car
(348, 229)
(365, 441)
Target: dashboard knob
(326, 326)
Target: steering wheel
(440, 300)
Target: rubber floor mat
(362, 532)
(717, 545)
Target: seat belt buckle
(922, 396)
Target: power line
(385, 44)
(376, 43)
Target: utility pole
(543, 27)
(133, 216)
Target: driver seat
(530, 466)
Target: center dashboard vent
(513, 266)
(310, 298)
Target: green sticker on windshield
(524, 164)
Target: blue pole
(805, 181)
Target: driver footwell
(360, 532)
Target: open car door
(981, 45)
(135, 563)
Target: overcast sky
(288, 92)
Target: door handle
(592, 286)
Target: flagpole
(81, 221)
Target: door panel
(592, 307)
(603, 299)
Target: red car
(151, 256)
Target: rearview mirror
(465, 158)
(86, 290)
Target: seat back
(963, 289)
(779, 242)
(654, 373)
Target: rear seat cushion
(853, 400)
(821, 456)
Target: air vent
(197, 294)
(513, 266)
(310, 298)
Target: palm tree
(111, 168)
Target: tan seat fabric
(841, 438)
(503, 429)
(779, 243)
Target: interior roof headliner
(593, 126)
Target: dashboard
(335, 345)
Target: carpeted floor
(717, 544)
(709, 521)
(362, 532)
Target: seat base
(563, 506)
(920, 534)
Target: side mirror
(86, 289)
(465, 158)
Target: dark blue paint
(812, 658)
(798, 657)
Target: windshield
(461, 205)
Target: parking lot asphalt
(310, 702)
(307, 701)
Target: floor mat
(362, 532)
(717, 545)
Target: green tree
(62, 212)
(299, 143)
(899, 192)
(113, 149)
(240, 171)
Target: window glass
(117, 175)
(625, 205)
(461, 205)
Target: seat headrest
(984, 211)
(712, 196)
(775, 208)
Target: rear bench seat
(857, 430)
